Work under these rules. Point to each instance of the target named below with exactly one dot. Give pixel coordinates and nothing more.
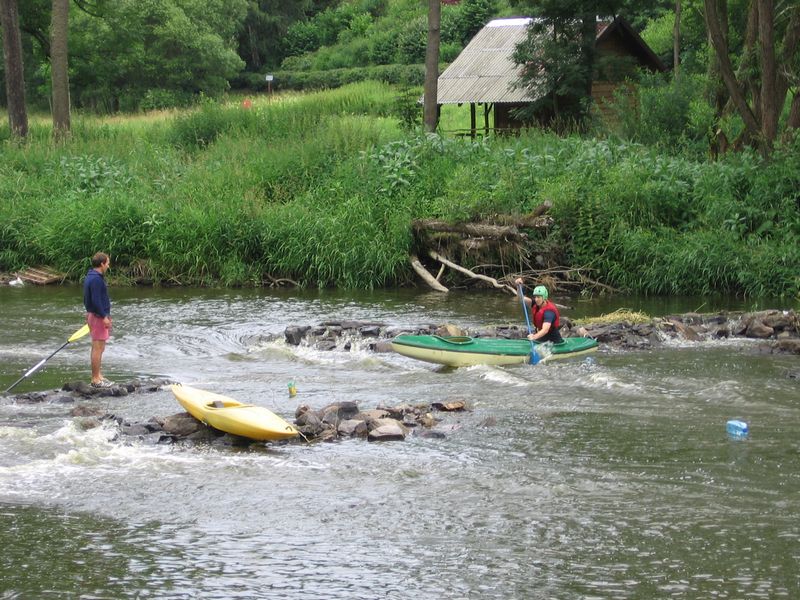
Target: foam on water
(500, 375)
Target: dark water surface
(610, 477)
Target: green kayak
(468, 351)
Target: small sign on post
(269, 79)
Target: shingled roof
(485, 69)
(485, 72)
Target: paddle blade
(79, 334)
(535, 358)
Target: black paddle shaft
(36, 367)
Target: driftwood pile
(506, 240)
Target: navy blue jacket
(95, 294)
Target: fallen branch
(495, 232)
(278, 282)
(436, 256)
(426, 276)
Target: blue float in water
(737, 428)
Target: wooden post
(472, 129)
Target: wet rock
(370, 330)
(382, 347)
(451, 406)
(488, 422)
(347, 409)
(326, 345)
(720, 331)
(294, 334)
(757, 329)
(427, 420)
(352, 427)
(181, 425)
(87, 423)
(779, 320)
(83, 410)
(449, 330)
(135, 429)
(62, 399)
(330, 416)
(739, 327)
(397, 412)
(687, 332)
(410, 421)
(81, 390)
(372, 415)
(327, 435)
(154, 424)
(387, 433)
(429, 433)
(788, 346)
(635, 342)
(309, 424)
(31, 397)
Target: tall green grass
(322, 189)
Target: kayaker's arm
(528, 301)
(541, 333)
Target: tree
(758, 93)
(431, 91)
(558, 58)
(15, 81)
(262, 34)
(162, 52)
(676, 35)
(59, 27)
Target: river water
(606, 477)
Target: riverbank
(323, 190)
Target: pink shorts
(97, 328)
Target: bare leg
(98, 346)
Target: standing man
(98, 314)
(544, 316)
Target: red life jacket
(538, 315)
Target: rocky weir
(776, 332)
(331, 422)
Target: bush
(662, 111)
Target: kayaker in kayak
(544, 316)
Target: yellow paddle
(75, 336)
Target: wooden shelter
(484, 74)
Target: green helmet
(540, 290)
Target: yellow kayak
(230, 416)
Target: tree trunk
(15, 80)
(793, 121)
(676, 40)
(431, 107)
(791, 41)
(588, 41)
(59, 62)
(720, 45)
(770, 111)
